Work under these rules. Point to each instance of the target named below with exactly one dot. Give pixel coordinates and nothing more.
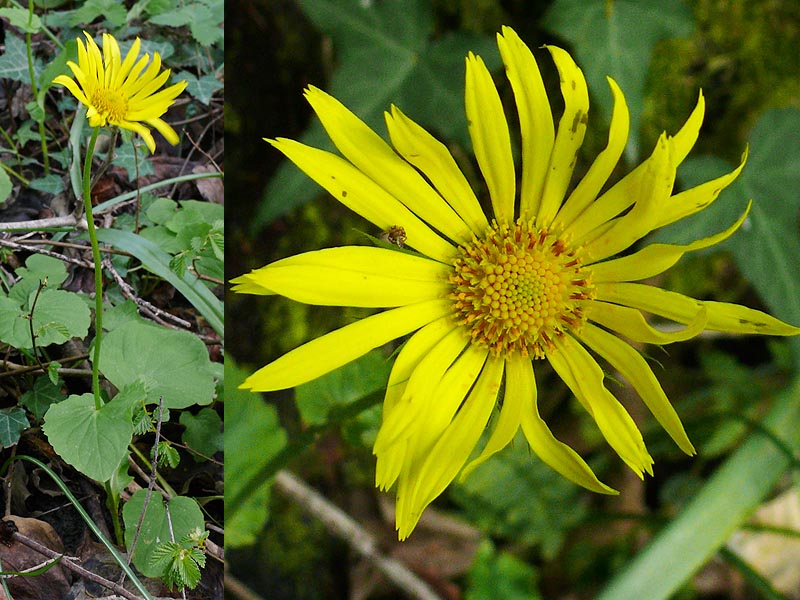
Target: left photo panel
(112, 162)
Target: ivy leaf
(22, 19)
(111, 10)
(58, 316)
(600, 34)
(91, 440)
(767, 247)
(12, 423)
(203, 431)
(39, 398)
(385, 55)
(204, 19)
(14, 61)
(202, 88)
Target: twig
(67, 221)
(152, 311)
(14, 370)
(69, 259)
(69, 564)
(346, 528)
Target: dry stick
(14, 370)
(152, 311)
(68, 221)
(44, 550)
(346, 528)
(69, 259)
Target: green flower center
(517, 288)
(110, 104)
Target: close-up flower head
(122, 92)
(486, 297)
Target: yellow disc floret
(516, 288)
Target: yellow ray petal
(491, 142)
(390, 461)
(399, 423)
(434, 160)
(352, 276)
(656, 258)
(571, 130)
(331, 351)
(652, 196)
(584, 377)
(365, 197)
(451, 451)
(699, 197)
(590, 185)
(373, 157)
(520, 382)
(722, 316)
(625, 359)
(631, 323)
(535, 118)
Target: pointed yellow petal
(164, 129)
(372, 156)
(631, 323)
(399, 423)
(351, 276)
(571, 130)
(656, 258)
(434, 160)
(390, 461)
(72, 87)
(625, 359)
(520, 382)
(535, 118)
(590, 185)
(699, 197)
(362, 195)
(684, 140)
(451, 451)
(491, 142)
(584, 377)
(331, 351)
(652, 195)
(722, 316)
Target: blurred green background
(514, 529)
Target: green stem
(98, 271)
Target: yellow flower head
(121, 92)
(486, 297)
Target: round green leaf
(172, 364)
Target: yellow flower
(121, 92)
(486, 298)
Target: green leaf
(204, 19)
(202, 88)
(38, 267)
(91, 440)
(5, 185)
(172, 364)
(22, 19)
(252, 437)
(386, 54)
(58, 316)
(39, 398)
(500, 575)
(125, 157)
(12, 423)
(111, 10)
(537, 506)
(157, 261)
(184, 516)
(720, 508)
(14, 61)
(616, 39)
(768, 244)
(203, 431)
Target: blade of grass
(157, 261)
(719, 509)
(85, 516)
